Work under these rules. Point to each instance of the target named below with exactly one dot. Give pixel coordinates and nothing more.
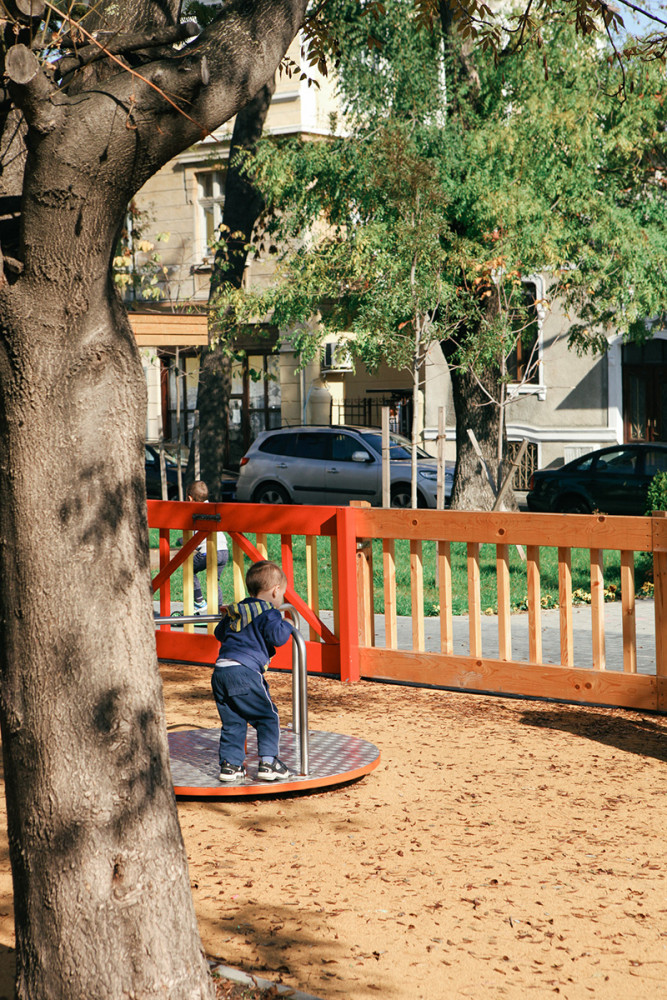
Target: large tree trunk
(102, 895)
(472, 490)
(473, 406)
(474, 411)
(101, 887)
(243, 201)
(213, 392)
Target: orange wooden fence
(349, 649)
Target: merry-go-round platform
(315, 759)
(333, 759)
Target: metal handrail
(299, 674)
(187, 620)
(299, 687)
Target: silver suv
(333, 465)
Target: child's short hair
(198, 491)
(262, 576)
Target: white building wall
(151, 366)
(570, 415)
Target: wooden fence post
(165, 589)
(195, 445)
(660, 597)
(346, 585)
(441, 444)
(388, 544)
(365, 603)
(312, 579)
(188, 585)
(386, 460)
(365, 596)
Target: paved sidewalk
(550, 622)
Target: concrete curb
(244, 979)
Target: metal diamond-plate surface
(332, 759)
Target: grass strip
(489, 599)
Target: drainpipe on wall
(304, 398)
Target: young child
(198, 492)
(248, 635)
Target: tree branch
(30, 88)
(643, 10)
(175, 101)
(243, 200)
(200, 76)
(114, 43)
(244, 47)
(27, 11)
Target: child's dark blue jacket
(250, 632)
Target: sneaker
(200, 606)
(273, 772)
(230, 772)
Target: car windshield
(399, 447)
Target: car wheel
(401, 497)
(270, 493)
(573, 504)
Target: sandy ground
(502, 848)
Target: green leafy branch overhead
(497, 29)
(439, 205)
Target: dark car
(154, 479)
(226, 491)
(333, 465)
(612, 480)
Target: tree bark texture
(243, 200)
(101, 888)
(474, 411)
(243, 204)
(213, 392)
(101, 892)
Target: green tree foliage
(447, 185)
(657, 493)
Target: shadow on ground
(7, 972)
(640, 736)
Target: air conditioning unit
(336, 357)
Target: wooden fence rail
(349, 649)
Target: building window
(254, 403)
(645, 390)
(210, 200)
(523, 363)
(367, 411)
(180, 378)
(528, 463)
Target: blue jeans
(199, 562)
(241, 697)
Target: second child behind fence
(198, 492)
(249, 634)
